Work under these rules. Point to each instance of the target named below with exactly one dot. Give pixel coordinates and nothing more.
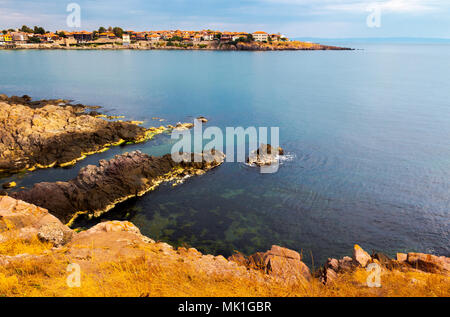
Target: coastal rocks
(402, 257)
(19, 219)
(278, 262)
(97, 189)
(55, 233)
(202, 119)
(429, 263)
(265, 155)
(361, 256)
(47, 133)
(9, 185)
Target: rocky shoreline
(121, 243)
(241, 46)
(48, 133)
(98, 189)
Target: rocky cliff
(47, 133)
(98, 189)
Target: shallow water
(368, 131)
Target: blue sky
(295, 18)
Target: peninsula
(116, 38)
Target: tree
(39, 30)
(101, 30)
(118, 32)
(26, 29)
(61, 34)
(34, 39)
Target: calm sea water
(368, 132)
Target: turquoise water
(368, 132)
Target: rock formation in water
(46, 133)
(98, 189)
(265, 155)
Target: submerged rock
(98, 189)
(265, 155)
(9, 185)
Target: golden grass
(16, 246)
(153, 275)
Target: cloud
(395, 6)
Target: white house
(260, 36)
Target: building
(19, 37)
(208, 37)
(82, 36)
(275, 37)
(260, 36)
(198, 38)
(126, 39)
(226, 36)
(154, 37)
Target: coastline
(197, 47)
(32, 230)
(113, 253)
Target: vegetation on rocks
(116, 260)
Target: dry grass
(149, 276)
(17, 246)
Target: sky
(294, 18)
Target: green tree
(26, 29)
(34, 39)
(39, 30)
(101, 29)
(118, 31)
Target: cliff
(48, 133)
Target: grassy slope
(153, 275)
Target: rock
(332, 264)
(97, 189)
(238, 258)
(9, 185)
(280, 262)
(330, 276)
(402, 257)
(383, 260)
(202, 119)
(265, 155)
(55, 233)
(25, 221)
(361, 256)
(429, 263)
(47, 133)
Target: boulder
(402, 257)
(19, 219)
(9, 185)
(280, 262)
(55, 233)
(265, 155)
(361, 256)
(429, 263)
(202, 119)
